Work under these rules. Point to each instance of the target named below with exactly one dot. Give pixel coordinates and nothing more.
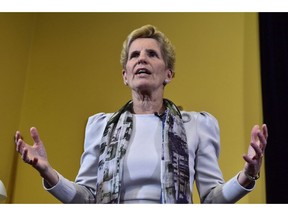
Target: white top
(141, 174)
(203, 142)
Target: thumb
(35, 135)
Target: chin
(144, 88)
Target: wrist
(50, 176)
(252, 177)
(244, 181)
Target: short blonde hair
(149, 31)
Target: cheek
(128, 70)
(161, 70)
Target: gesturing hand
(256, 150)
(34, 155)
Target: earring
(165, 82)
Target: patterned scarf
(175, 185)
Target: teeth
(142, 71)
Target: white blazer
(203, 138)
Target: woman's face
(145, 68)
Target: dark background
(273, 28)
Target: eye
(134, 54)
(152, 53)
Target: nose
(142, 58)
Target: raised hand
(256, 151)
(34, 155)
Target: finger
(265, 131)
(258, 151)
(254, 139)
(34, 161)
(17, 136)
(35, 135)
(248, 159)
(254, 132)
(25, 155)
(19, 146)
(262, 140)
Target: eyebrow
(146, 50)
(149, 50)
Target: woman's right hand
(36, 156)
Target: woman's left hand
(256, 151)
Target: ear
(169, 76)
(124, 77)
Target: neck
(147, 104)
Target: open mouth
(142, 71)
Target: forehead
(143, 44)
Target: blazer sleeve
(209, 179)
(207, 172)
(84, 187)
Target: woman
(148, 151)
